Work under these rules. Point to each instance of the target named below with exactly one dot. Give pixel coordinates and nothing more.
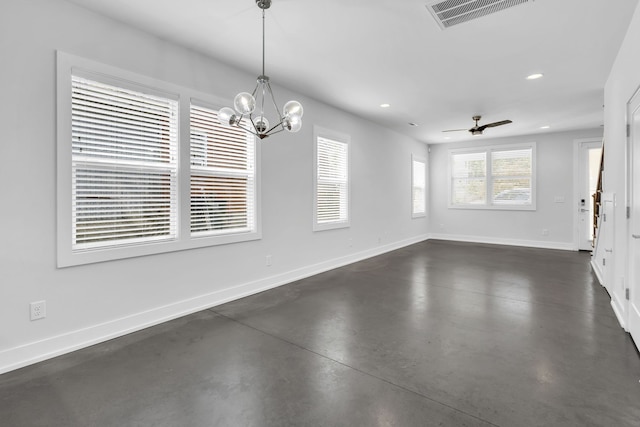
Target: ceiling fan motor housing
(263, 4)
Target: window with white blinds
(469, 178)
(500, 177)
(331, 181)
(124, 165)
(222, 176)
(143, 168)
(418, 187)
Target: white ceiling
(358, 54)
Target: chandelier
(245, 104)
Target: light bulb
(244, 103)
(292, 109)
(227, 117)
(261, 123)
(292, 124)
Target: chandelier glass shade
(248, 110)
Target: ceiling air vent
(452, 12)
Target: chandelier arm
(262, 100)
(248, 130)
(275, 105)
(273, 133)
(273, 127)
(253, 124)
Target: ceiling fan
(477, 130)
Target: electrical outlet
(38, 310)
(350, 242)
(545, 232)
(268, 260)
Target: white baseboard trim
(597, 270)
(502, 241)
(618, 311)
(28, 354)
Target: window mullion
(184, 175)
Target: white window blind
(222, 176)
(139, 172)
(468, 178)
(511, 176)
(124, 165)
(418, 190)
(332, 185)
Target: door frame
(630, 251)
(575, 199)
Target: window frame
(320, 132)
(488, 151)
(418, 159)
(250, 173)
(68, 65)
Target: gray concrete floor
(438, 333)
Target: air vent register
(448, 13)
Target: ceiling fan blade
(494, 124)
(454, 130)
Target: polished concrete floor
(438, 333)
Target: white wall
(555, 158)
(622, 83)
(90, 303)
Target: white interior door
(589, 155)
(633, 291)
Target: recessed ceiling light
(535, 76)
(413, 124)
(447, 137)
(385, 105)
(545, 127)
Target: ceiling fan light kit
(245, 103)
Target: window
(493, 177)
(123, 189)
(222, 176)
(511, 173)
(469, 178)
(124, 165)
(418, 187)
(331, 208)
